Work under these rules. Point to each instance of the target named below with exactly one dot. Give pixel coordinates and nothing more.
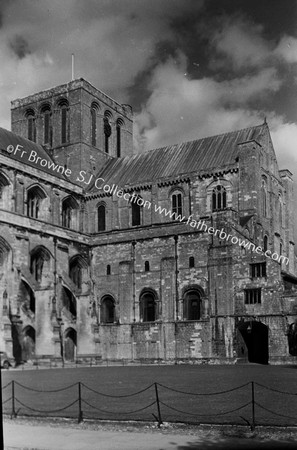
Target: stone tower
(79, 126)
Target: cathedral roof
(201, 156)
(7, 138)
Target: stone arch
(40, 258)
(70, 344)
(255, 337)
(78, 268)
(35, 197)
(192, 302)
(69, 212)
(107, 309)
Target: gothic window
(191, 262)
(47, 124)
(68, 207)
(263, 199)
(39, 257)
(252, 296)
(148, 306)
(176, 203)
(108, 269)
(219, 198)
(75, 273)
(192, 305)
(107, 130)
(31, 124)
(64, 107)
(94, 110)
(119, 137)
(69, 301)
(147, 266)
(35, 197)
(107, 310)
(101, 213)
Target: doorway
(255, 336)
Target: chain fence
(251, 404)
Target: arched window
(136, 206)
(68, 207)
(148, 307)
(77, 265)
(219, 198)
(107, 130)
(28, 343)
(64, 107)
(263, 199)
(47, 124)
(69, 302)
(191, 262)
(192, 305)
(120, 123)
(177, 203)
(39, 256)
(94, 110)
(35, 196)
(70, 343)
(147, 266)
(265, 243)
(108, 269)
(31, 123)
(101, 213)
(107, 309)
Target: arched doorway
(255, 336)
(28, 344)
(70, 345)
(148, 306)
(292, 339)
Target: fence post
(80, 413)
(13, 414)
(158, 406)
(253, 425)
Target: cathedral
(181, 254)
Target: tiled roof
(8, 138)
(200, 156)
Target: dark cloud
(20, 46)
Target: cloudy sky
(189, 68)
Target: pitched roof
(8, 138)
(202, 155)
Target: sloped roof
(8, 138)
(202, 155)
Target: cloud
(113, 42)
(287, 49)
(181, 109)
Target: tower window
(39, 263)
(265, 243)
(108, 269)
(64, 106)
(107, 130)
(219, 198)
(147, 266)
(94, 110)
(191, 262)
(264, 199)
(69, 205)
(119, 131)
(136, 205)
(47, 125)
(30, 115)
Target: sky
(189, 68)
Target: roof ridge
(206, 137)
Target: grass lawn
(113, 387)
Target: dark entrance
(28, 344)
(70, 345)
(255, 336)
